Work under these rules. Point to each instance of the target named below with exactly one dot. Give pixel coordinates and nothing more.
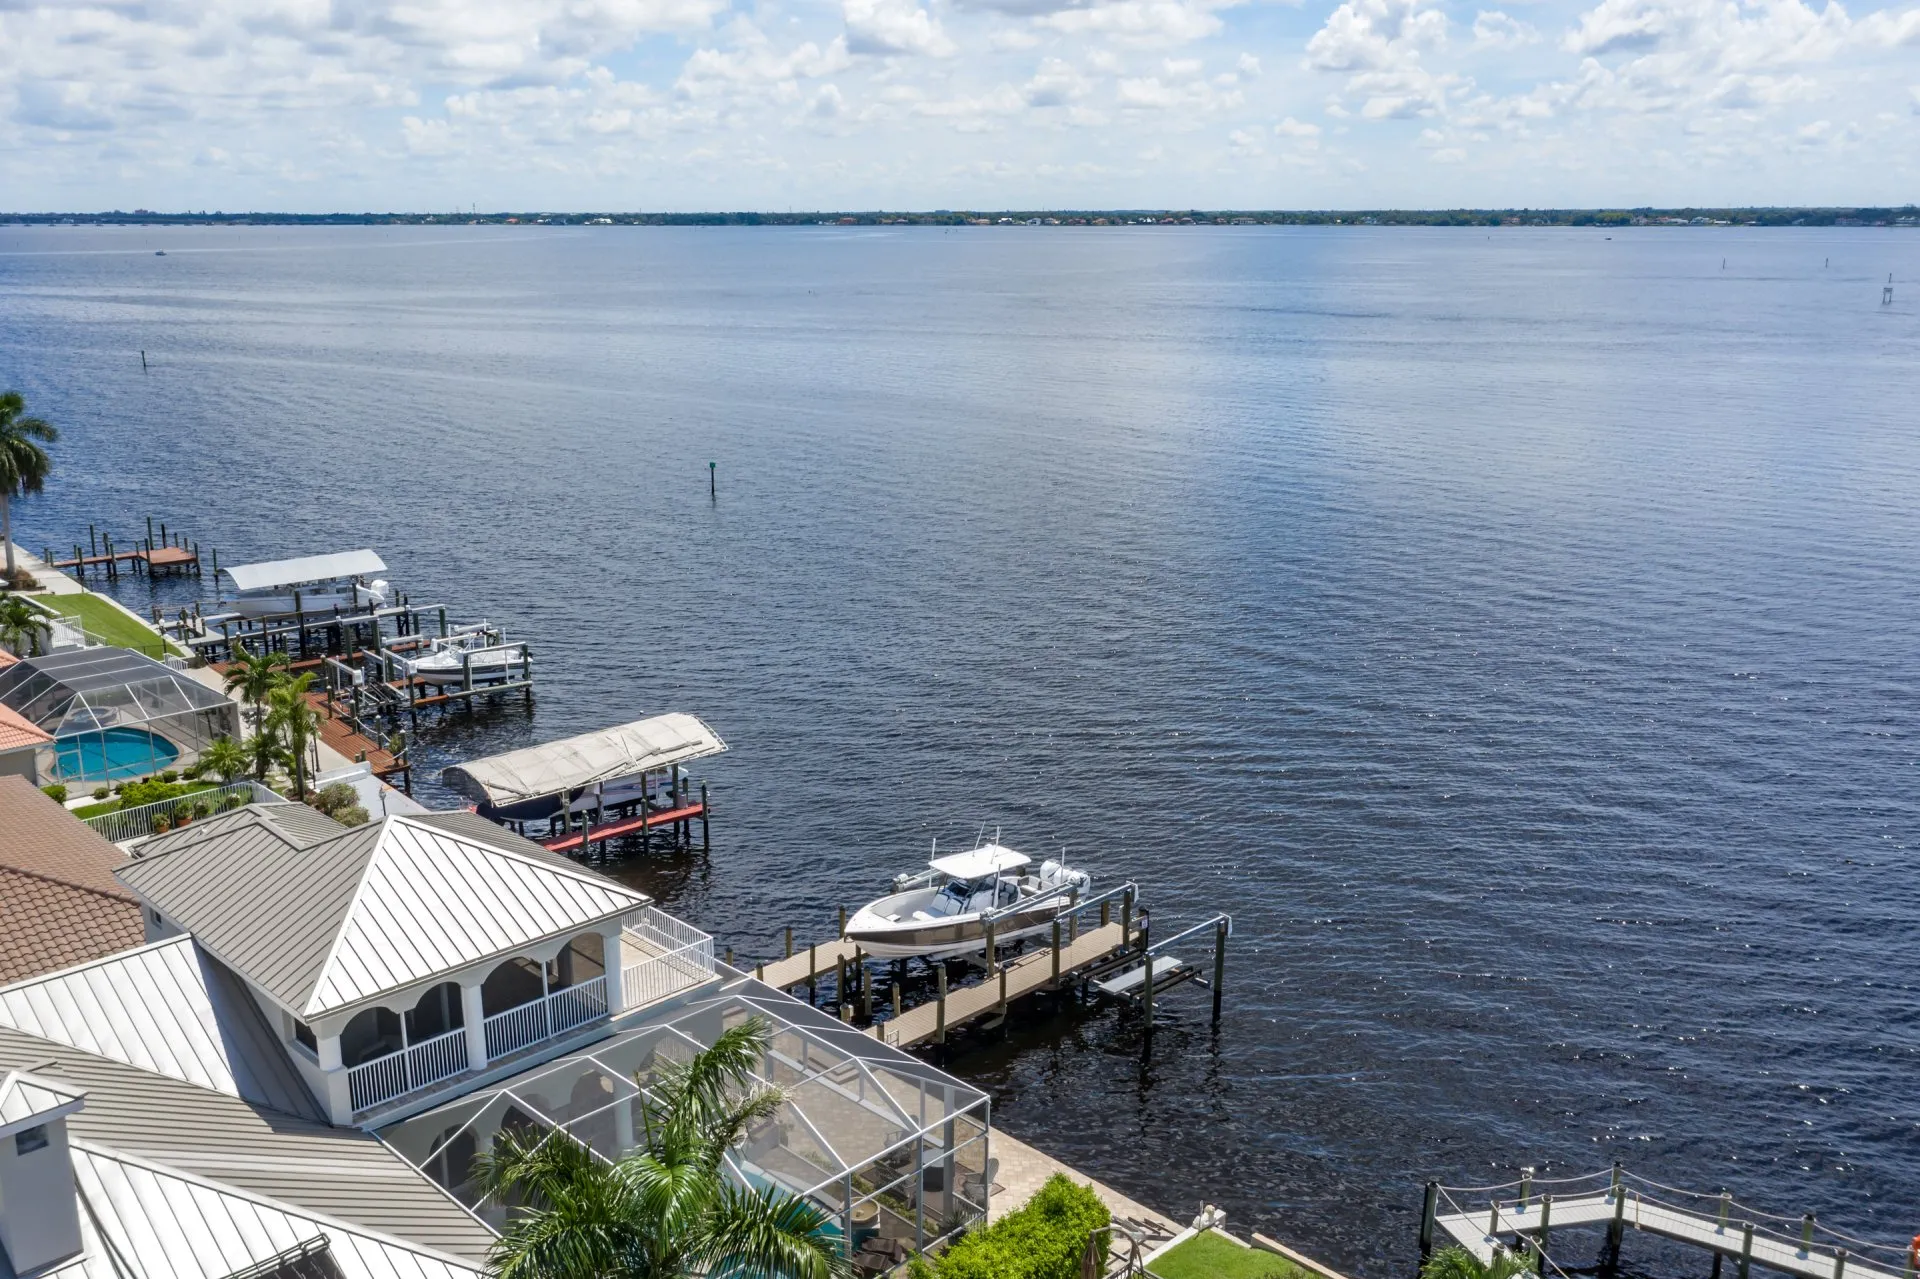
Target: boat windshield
(965, 896)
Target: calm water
(1516, 633)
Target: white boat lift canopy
(577, 762)
(308, 568)
(978, 863)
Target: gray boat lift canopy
(576, 762)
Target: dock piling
(940, 1006)
(789, 941)
(1806, 1234)
(706, 831)
(843, 921)
(1219, 966)
(1428, 1210)
(713, 481)
(1839, 1262)
(1526, 1186)
(813, 974)
(1746, 1249)
(1546, 1220)
(992, 948)
(1056, 950)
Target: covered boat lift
(599, 786)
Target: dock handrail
(1211, 922)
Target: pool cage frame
(79, 696)
(882, 1142)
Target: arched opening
(451, 1163)
(373, 1032)
(584, 958)
(438, 1012)
(513, 983)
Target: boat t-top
(311, 584)
(942, 912)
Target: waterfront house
(324, 1027)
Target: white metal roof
(574, 762)
(28, 1099)
(308, 568)
(166, 1008)
(977, 863)
(167, 1222)
(377, 908)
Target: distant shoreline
(1906, 216)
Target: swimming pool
(113, 754)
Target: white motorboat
(312, 585)
(938, 913)
(476, 647)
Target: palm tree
(1458, 1263)
(292, 719)
(21, 626)
(666, 1210)
(23, 463)
(254, 677)
(224, 757)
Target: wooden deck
(785, 974)
(1033, 971)
(1478, 1232)
(342, 737)
(625, 826)
(158, 557)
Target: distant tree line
(1908, 215)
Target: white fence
(137, 823)
(541, 1019)
(410, 1069)
(664, 956)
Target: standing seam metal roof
(341, 1173)
(380, 907)
(168, 1008)
(296, 825)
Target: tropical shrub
(1044, 1240)
(351, 815)
(149, 790)
(169, 776)
(333, 797)
(101, 792)
(56, 792)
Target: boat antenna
(979, 834)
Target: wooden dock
(341, 734)
(1714, 1223)
(1045, 969)
(639, 824)
(163, 552)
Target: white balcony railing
(664, 956)
(544, 1018)
(408, 1070)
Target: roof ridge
(124, 896)
(104, 1151)
(582, 874)
(117, 956)
(353, 904)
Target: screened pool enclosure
(114, 714)
(890, 1147)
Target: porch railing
(667, 956)
(544, 1018)
(137, 823)
(408, 1070)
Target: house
(321, 1029)
(59, 901)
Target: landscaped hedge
(1044, 1240)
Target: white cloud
(1292, 128)
(1493, 29)
(887, 27)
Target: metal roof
(342, 1174)
(186, 1227)
(262, 824)
(168, 1008)
(574, 762)
(28, 1099)
(308, 568)
(377, 908)
(977, 863)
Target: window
(303, 1035)
(28, 1140)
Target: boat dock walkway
(1729, 1230)
(1044, 969)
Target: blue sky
(704, 104)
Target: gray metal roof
(186, 1228)
(341, 1173)
(377, 908)
(295, 825)
(169, 1008)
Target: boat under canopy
(594, 770)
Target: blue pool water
(114, 754)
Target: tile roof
(374, 909)
(169, 1008)
(16, 730)
(59, 902)
(342, 1174)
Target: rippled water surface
(1516, 632)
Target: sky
(673, 105)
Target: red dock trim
(561, 843)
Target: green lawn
(1209, 1256)
(108, 624)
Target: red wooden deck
(561, 843)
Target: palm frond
(769, 1233)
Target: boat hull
(947, 938)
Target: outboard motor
(1055, 875)
(377, 593)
